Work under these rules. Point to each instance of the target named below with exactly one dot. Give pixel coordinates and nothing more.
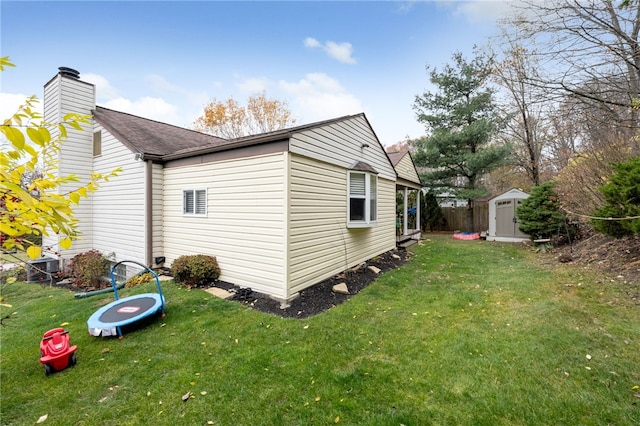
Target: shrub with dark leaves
(88, 269)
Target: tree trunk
(469, 216)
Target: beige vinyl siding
(245, 224)
(63, 96)
(321, 245)
(341, 144)
(119, 204)
(406, 169)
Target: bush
(622, 197)
(88, 269)
(195, 270)
(540, 215)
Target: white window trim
(195, 191)
(367, 222)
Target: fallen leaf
(317, 398)
(588, 356)
(637, 395)
(64, 324)
(203, 393)
(635, 387)
(42, 418)
(105, 350)
(336, 420)
(305, 327)
(186, 396)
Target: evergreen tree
(432, 217)
(622, 195)
(540, 215)
(460, 119)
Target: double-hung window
(363, 199)
(194, 202)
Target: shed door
(506, 220)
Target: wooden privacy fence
(456, 218)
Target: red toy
(56, 352)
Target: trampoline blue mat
(125, 311)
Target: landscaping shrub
(195, 270)
(88, 269)
(540, 215)
(622, 197)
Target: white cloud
(311, 42)
(318, 97)
(153, 108)
(339, 51)
(254, 85)
(10, 102)
(104, 89)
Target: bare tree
(591, 49)
(525, 104)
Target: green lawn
(467, 333)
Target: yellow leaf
(35, 135)
(635, 387)
(34, 252)
(65, 243)
(74, 197)
(336, 420)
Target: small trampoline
(109, 320)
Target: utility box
(40, 269)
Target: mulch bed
(320, 297)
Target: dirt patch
(619, 257)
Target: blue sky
(165, 60)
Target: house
(408, 181)
(280, 211)
(503, 221)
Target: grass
(467, 333)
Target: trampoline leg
(120, 336)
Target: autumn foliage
(228, 119)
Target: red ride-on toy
(56, 352)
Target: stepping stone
(374, 269)
(340, 288)
(219, 292)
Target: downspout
(405, 218)
(148, 221)
(418, 221)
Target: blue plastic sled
(109, 320)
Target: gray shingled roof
(161, 141)
(152, 138)
(396, 156)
